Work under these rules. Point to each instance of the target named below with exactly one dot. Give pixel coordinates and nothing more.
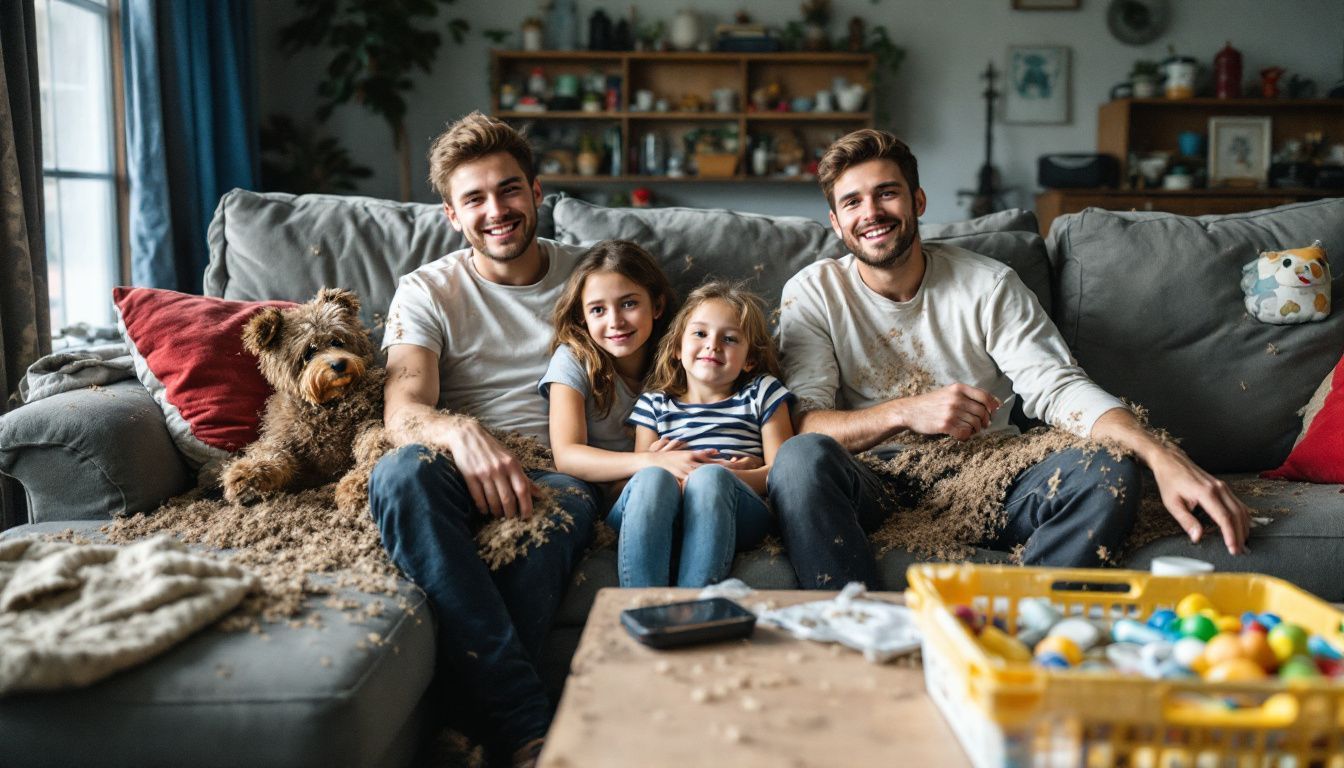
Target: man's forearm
(1120, 426)
(855, 430)
(409, 423)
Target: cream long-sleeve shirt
(972, 321)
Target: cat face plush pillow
(1286, 287)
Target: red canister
(1227, 73)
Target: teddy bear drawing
(319, 359)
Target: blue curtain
(189, 129)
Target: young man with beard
(902, 338)
(470, 333)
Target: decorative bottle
(1227, 73)
(562, 24)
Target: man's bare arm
(957, 410)
(1182, 484)
(493, 475)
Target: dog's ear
(346, 300)
(263, 330)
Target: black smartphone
(688, 623)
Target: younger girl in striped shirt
(714, 386)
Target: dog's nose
(338, 366)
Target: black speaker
(1076, 171)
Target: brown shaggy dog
(319, 359)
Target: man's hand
(494, 476)
(1184, 486)
(957, 410)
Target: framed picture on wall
(1038, 84)
(1238, 151)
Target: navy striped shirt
(731, 426)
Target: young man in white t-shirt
(470, 334)
(901, 337)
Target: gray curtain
(25, 319)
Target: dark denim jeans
(491, 625)
(827, 502)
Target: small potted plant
(816, 17)
(1143, 78)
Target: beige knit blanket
(72, 614)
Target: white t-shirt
(972, 320)
(610, 432)
(493, 341)
(732, 426)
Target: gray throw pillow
(273, 245)
(1151, 304)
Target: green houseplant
(375, 47)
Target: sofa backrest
(1151, 304)
(695, 244)
(273, 245)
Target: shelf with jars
(680, 116)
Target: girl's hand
(740, 462)
(681, 463)
(667, 444)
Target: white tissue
(733, 589)
(882, 631)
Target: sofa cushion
(274, 245)
(1304, 544)
(188, 352)
(694, 244)
(1151, 304)
(286, 696)
(92, 454)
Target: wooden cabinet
(621, 129)
(1128, 127)
(1053, 203)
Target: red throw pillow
(1319, 458)
(188, 352)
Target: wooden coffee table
(772, 700)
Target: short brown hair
(859, 147)
(471, 138)
(669, 375)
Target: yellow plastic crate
(1017, 714)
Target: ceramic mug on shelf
(1181, 72)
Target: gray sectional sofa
(1149, 303)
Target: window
(79, 159)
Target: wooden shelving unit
(1152, 125)
(672, 75)
(1141, 126)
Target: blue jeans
(716, 515)
(491, 624)
(827, 503)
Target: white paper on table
(882, 631)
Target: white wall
(934, 100)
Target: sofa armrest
(92, 454)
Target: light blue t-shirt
(731, 426)
(609, 433)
